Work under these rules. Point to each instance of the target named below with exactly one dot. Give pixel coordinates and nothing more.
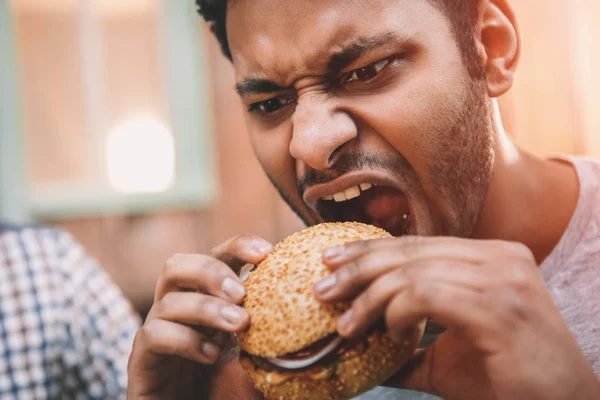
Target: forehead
(285, 39)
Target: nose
(320, 133)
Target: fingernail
(333, 252)
(210, 350)
(234, 289)
(324, 285)
(261, 246)
(345, 323)
(233, 315)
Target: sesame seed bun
(285, 317)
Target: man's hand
(183, 349)
(505, 340)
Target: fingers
(200, 272)
(161, 338)
(410, 248)
(451, 305)
(216, 273)
(351, 277)
(359, 263)
(415, 279)
(241, 250)
(198, 309)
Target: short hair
(462, 15)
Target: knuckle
(236, 242)
(518, 250)
(510, 308)
(162, 306)
(218, 249)
(357, 247)
(172, 262)
(214, 251)
(421, 293)
(234, 245)
(516, 308)
(149, 332)
(207, 306)
(350, 272)
(362, 245)
(409, 247)
(412, 242)
(368, 245)
(208, 266)
(518, 278)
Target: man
(65, 329)
(503, 250)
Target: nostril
(334, 155)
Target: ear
(499, 44)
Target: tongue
(388, 209)
(387, 204)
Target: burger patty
(346, 349)
(329, 359)
(311, 350)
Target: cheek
(421, 111)
(418, 118)
(272, 151)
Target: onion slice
(297, 364)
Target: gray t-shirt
(571, 273)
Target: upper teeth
(349, 193)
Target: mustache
(356, 161)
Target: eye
(270, 106)
(367, 73)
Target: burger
(292, 350)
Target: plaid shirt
(65, 329)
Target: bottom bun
(359, 369)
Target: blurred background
(119, 124)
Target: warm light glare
(140, 157)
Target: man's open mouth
(372, 203)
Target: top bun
(284, 314)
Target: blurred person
(498, 246)
(65, 328)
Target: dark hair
(461, 13)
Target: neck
(530, 200)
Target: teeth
(349, 193)
(352, 192)
(341, 196)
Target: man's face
(368, 103)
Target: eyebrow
(257, 86)
(340, 59)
